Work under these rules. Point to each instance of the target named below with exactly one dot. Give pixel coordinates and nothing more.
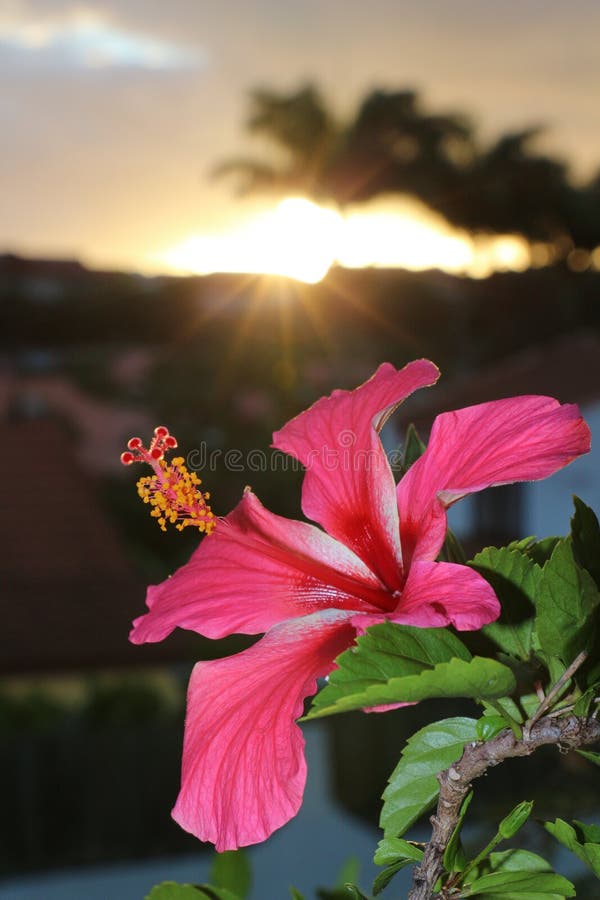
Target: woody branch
(570, 733)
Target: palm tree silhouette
(394, 145)
(391, 146)
(303, 132)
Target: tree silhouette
(303, 132)
(394, 145)
(510, 188)
(391, 146)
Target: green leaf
(344, 886)
(296, 895)
(517, 861)
(480, 677)
(522, 544)
(541, 551)
(349, 871)
(489, 726)
(585, 534)
(210, 892)
(402, 664)
(521, 883)
(566, 607)
(347, 892)
(386, 651)
(393, 849)
(583, 705)
(591, 669)
(453, 855)
(413, 785)
(515, 579)
(170, 890)
(452, 550)
(508, 827)
(383, 879)
(413, 448)
(556, 667)
(587, 851)
(510, 710)
(593, 757)
(231, 870)
(530, 702)
(590, 833)
(592, 851)
(538, 551)
(354, 893)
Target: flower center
(172, 491)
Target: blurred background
(211, 215)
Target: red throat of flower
(173, 493)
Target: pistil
(172, 491)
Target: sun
(403, 233)
(302, 240)
(298, 239)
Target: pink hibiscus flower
(311, 590)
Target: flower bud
(515, 820)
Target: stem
(570, 732)
(555, 691)
(497, 839)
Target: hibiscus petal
(243, 763)
(518, 439)
(255, 570)
(440, 594)
(349, 487)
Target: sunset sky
(112, 113)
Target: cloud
(79, 39)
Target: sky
(113, 113)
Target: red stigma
(161, 441)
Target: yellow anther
(174, 497)
(171, 491)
